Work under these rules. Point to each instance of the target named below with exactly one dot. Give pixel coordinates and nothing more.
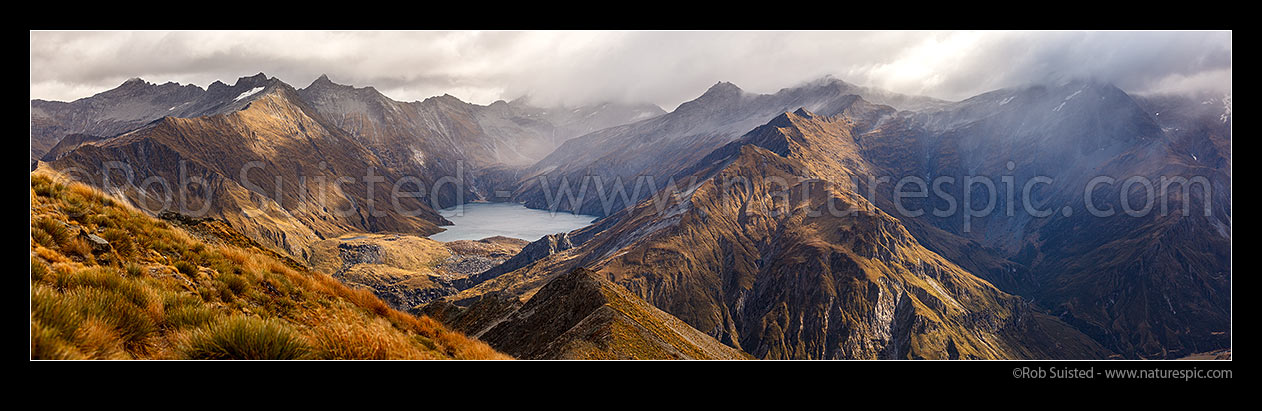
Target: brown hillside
(108, 282)
(581, 315)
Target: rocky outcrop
(535, 251)
(352, 254)
(366, 265)
(98, 244)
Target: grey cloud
(665, 68)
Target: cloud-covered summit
(665, 68)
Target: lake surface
(482, 220)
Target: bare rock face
(99, 245)
(359, 254)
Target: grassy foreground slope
(108, 282)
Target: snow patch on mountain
(252, 91)
(1226, 109)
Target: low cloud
(665, 68)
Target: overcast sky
(665, 68)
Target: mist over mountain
(666, 68)
(718, 233)
(1084, 268)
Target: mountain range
(727, 243)
(275, 153)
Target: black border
(472, 380)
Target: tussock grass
(46, 343)
(84, 316)
(233, 282)
(130, 321)
(74, 207)
(99, 339)
(190, 316)
(246, 338)
(111, 279)
(186, 268)
(52, 228)
(48, 308)
(135, 270)
(47, 188)
(39, 270)
(120, 240)
(42, 237)
(77, 247)
(152, 298)
(364, 339)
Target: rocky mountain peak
(322, 87)
(135, 81)
(720, 93)
(131, 86)
(257, 77)
(257, 80)
(722, 89)
(446, 99)
(577, 280)
(827, 81)
(323, 82)
(787, 119)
